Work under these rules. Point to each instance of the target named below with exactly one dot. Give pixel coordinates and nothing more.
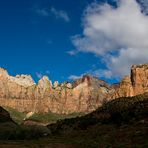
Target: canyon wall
(21, 93)
(84, 95)
(135, 84)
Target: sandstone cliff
(84, 95)
(135, 84)
(21, 93)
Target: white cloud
(101, 73)
(57, 13)
(72, 52)
(60, 14)
(119, 35)
(39, 75)
(74, 77)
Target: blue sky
(38, 37)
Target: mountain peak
(44, 82)
(84, 95)
(140, 66)
(24, 80)
(3, 72)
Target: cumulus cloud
(118, 35)
(60, 14)
(101, 73)
(144, 5)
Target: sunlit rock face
(139, 78)
(91, 93)
(21, 93)
(123, 89)
(84, 95)
(135, 84)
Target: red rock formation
(135, 84)
(84, 95)
(23, 94)
(139, 78)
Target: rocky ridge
(135, 84)
(84, 95)
(21, 93)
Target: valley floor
(132, 135)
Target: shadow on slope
(39, 118)
(122, 122)
(118, 111)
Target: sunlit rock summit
(21, 93)
(84, 95)
(135, 84)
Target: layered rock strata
(84, 95)
(21, 93)
(135, 84)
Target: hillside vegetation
(119, 123)
(20, 117)
(122, 122)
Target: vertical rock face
(139, 78)
(135, 84)
(123, 89)
(21, 93)
(84, 95)
(91, 93)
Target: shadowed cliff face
(4, 116)
(21, 93)
(84, 95)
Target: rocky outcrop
(22, 93)
(139, 78)
(135, 84)
(123, 89)
(84, 95)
